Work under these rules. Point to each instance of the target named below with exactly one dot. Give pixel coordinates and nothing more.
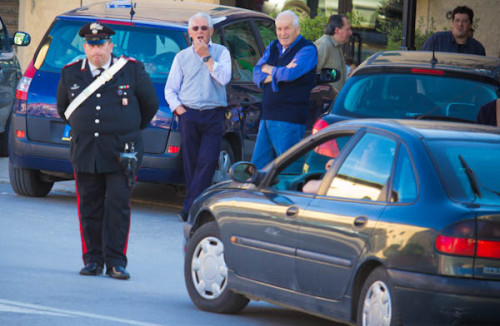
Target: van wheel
(299, 7)
(26, 182)
(226, 159)
(377, 304)
(205, 273)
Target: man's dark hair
(463, 10)
(335, 21)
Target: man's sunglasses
(196, 28)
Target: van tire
(26, 182)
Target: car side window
(366, 171)
(267, 31)
(404, 189)
(3, 36)
(310, 167)
(242, 45)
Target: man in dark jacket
(458, 39)
(105, 121)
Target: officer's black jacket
(113, 115)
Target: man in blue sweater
(287, 74)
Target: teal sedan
(401, 226)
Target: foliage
(394, 33)
(313, 28)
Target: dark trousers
(103, 201)
(202, 132)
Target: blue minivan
(152, 32)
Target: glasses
(196, 28)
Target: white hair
(200, 15)
(291, 14)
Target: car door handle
(360, 221)
(292, 211)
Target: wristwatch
(205, 59)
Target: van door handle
(360, 221)
(292, 211)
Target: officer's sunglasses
(196, 28)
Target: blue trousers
(202, 132)
(275, 138)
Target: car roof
(426, 129)
(451, 62)
(161, 12)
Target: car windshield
(406, 96)
(156, 48)
(455, 160)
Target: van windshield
(156, 48)
(407, 96)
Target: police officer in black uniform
(106, 145)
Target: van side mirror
(21, 39)
(327, 75)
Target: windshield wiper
(470, 175)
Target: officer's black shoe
(183, 215)
(91, 269)
(118, 272)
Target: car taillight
(24, 84)
(318, 125)
(427, 71)
(460, 239)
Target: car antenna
(434, 60)
(132, 11)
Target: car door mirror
(244, 172)
(327, 75)
(21, 39)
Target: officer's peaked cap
(95, 33)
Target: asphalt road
(40, 256)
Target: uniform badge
(74, 86)
(96, 27)
(124, 101)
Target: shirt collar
(280, 47)
(105, 66)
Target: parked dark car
(404, 227)
(39, 154)
(412, 85)
(10, 73)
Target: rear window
(156, 48)
(406, 96)
(452, 158)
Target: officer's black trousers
(103, 201)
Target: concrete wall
(488, 12)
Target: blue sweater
(291, 102)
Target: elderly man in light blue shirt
(196, 92)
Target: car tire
(205, 273)
(226, 159)
(377, 304)
(26, 182)
(4, 140)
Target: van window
(156, 48)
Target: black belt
(216, 108)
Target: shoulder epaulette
(72, 63)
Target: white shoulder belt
(104, 77)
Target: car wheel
(226, 159)
(4, 140)
(205, 273)
(26, 182)
(377, 305)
